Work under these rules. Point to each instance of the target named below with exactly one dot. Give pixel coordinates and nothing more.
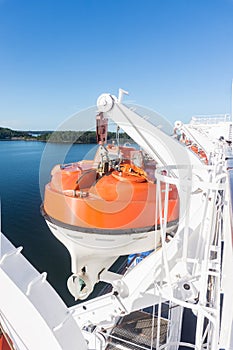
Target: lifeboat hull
(93, 252)
(116, 202)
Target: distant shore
(77, 137)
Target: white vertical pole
(231, 116)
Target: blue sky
(57, 57)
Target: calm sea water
(22, 175)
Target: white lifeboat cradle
(188, 273)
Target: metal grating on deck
(134, 332)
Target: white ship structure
(184, 282)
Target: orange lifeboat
(199, 152)
(105, 208)
(203, 156)
(120, 200)
(194, 148)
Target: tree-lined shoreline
(70, 136)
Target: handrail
(210, 119)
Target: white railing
(198, 289)
(210, 119)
